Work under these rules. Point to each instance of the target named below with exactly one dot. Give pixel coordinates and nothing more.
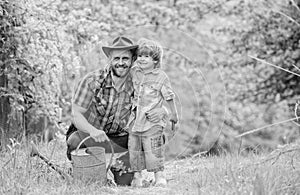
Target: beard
(118, 74)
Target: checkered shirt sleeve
(84, 93)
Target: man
(101, 104)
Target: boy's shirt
(150, 90)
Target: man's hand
(156, 115)
(99, 135)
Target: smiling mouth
(121, 66)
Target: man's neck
(118, 81)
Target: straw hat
(119, 43)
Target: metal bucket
(89, 164)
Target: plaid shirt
(97, 90)
(151, 89)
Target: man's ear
(109, 58)
(109, 55)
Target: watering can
(89, 164)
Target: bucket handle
(112, 151)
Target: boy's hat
(119, 43)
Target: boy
(151, 87)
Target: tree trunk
(4, 111)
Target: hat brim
(107, 50)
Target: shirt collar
(108, 78)
(153, 71)
(128, 86)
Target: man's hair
(152, 48)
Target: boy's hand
(174, 118)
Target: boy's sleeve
(83, 93)
(166, 90)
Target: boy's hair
(152, 48)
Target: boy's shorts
(146, 149)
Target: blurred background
(222, 91)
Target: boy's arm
(172, 106)
(169, 96)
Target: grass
(275, 173)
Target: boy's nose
(141, 58)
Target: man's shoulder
(96, 74)
(95, 77)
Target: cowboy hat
(119, 43)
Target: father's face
(120, 60)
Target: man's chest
(110, 96)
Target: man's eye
(116, 59)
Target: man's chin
(120, 74)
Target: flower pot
(123, 179)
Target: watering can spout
(35, 152)
(90, 151)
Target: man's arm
(83, 125)
(157, 114)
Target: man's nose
(121, 61)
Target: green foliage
(273, 35)
(58, 41)
(8, 46)
(230, 34)
(221, 91)
(276, 173)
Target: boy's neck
(148, 70)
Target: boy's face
(145, 61)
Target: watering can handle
(111, 147)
